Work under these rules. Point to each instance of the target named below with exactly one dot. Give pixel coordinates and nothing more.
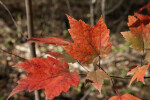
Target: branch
(119, 77)
(12, 54)
(115, 7)
(127, 77)
(28, 4)
(82, 66)
(69, 8)
(103, 9)
(15, 23)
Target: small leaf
(97, 77)
(139, 73)
(124, 97)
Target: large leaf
(49, 74)
(89, 42)
(139, 73)
(97, 77)
(124, 97)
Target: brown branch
(92, 7)
(103, 9)
(28, 4)
(12, 54)
(15, 23)
(115, 7)
(127, 77)
(69, 8)
(82, 66)
(119, 77)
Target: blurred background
(50, 20)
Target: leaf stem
(100, 63)
(82, 66)
(142, 55)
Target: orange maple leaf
(139, 73)
(89, 42)
(124, 97)
(139, 36)
(49, 74)
(97, 77)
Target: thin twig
(92, 4)
(12, 54)
(103, 9)
(127, 77)
(82, 66)
(15, 23)
(114, 7)
(118, 77)
(69, 8)
(142, 55)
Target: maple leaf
(124, 97)
(89, 42)
(49, 74)
(138, 37)
(139, 34)
(97, 77)
(139, 73)
(137, 20)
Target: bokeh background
(50, 20)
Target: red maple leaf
(139, 73)
(49, 74)
(137, 20)
(89, 42)
(124, 97)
